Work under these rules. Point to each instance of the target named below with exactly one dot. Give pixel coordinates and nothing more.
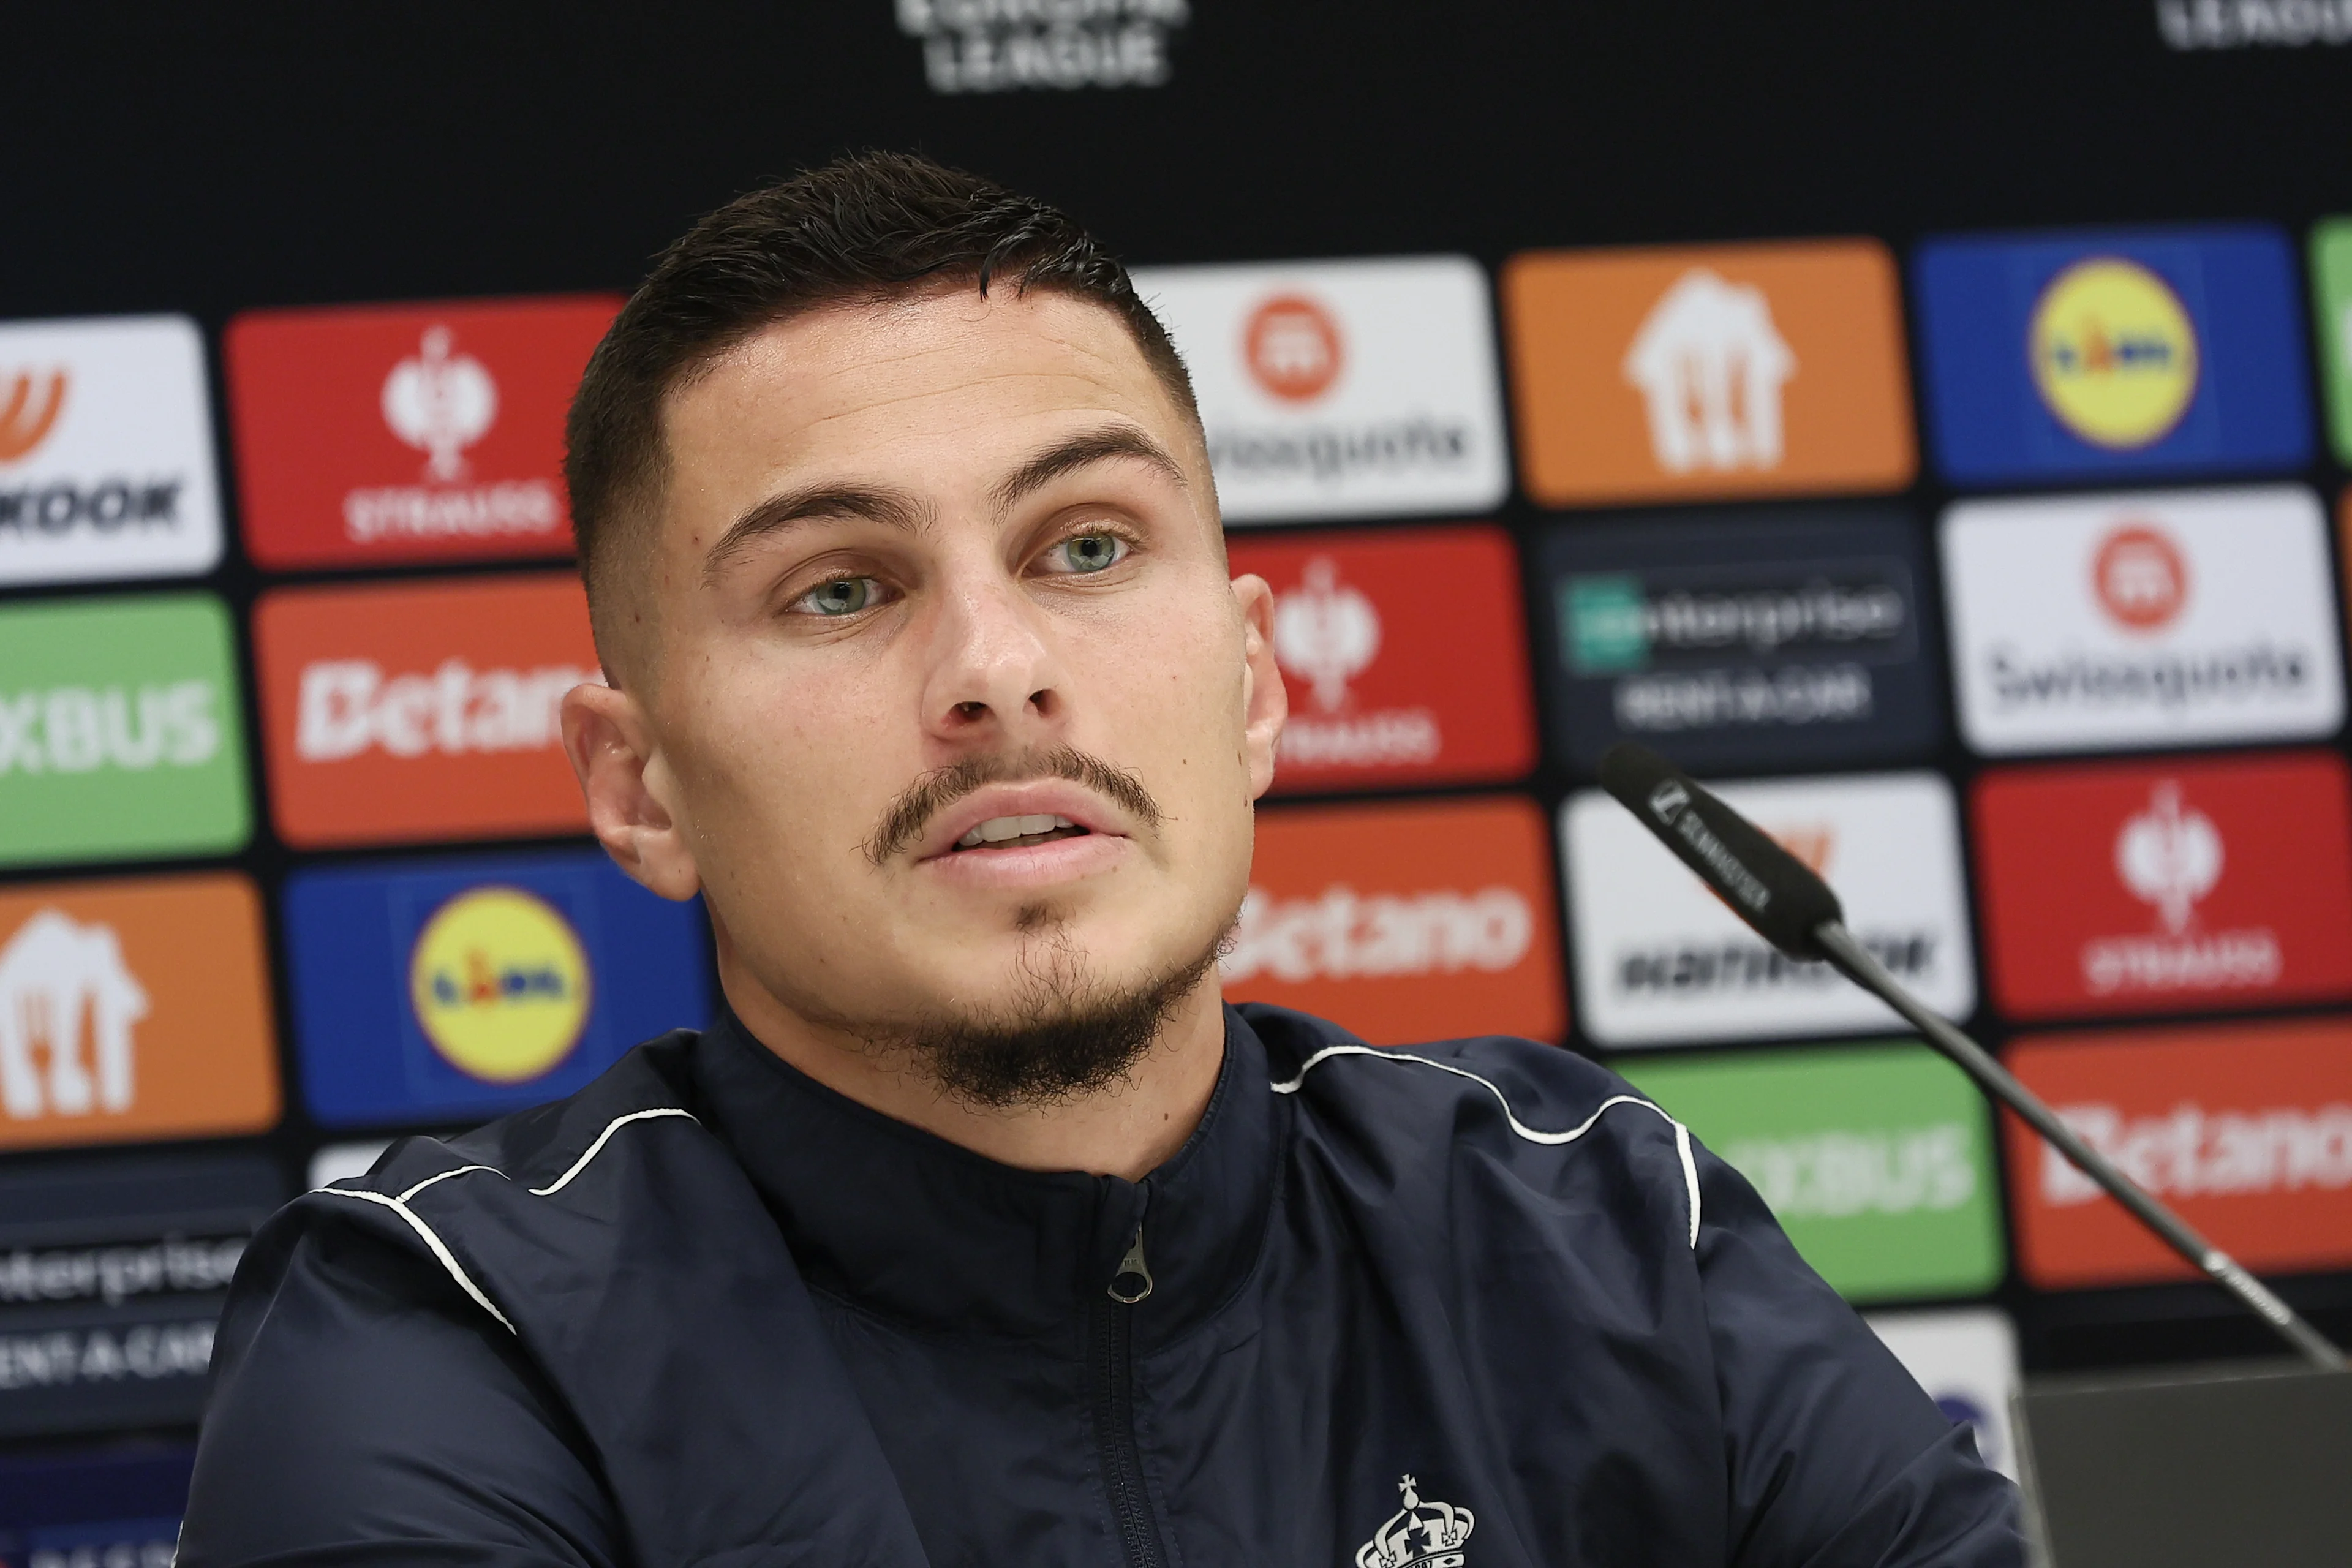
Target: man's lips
(1048, 798)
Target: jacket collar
(909, 1225)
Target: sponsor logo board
(133, 1009)
(1014, 46)
(1876, 1160)
(111, 1273)
(1404, 922)
(2130, 352)
(1791, 639)
(106, 451)
(422, 710)
(424, 432)
(1734, 370)
(2163, 887)
(2245, 1130)
(2331, 287)
(120, 734)
(437, 990)
(1660, 960)
(1403, 655)
(1340, 388)
(2161, 619)
(1967, 1361)
(106, 1507)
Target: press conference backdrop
(1930, 422)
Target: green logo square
(2331, 287)
(1876, 1160)
(1604, 624)
(120, 730)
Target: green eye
(1092, 552)
(842, 596)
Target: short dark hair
(864, 228)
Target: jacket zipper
(1111, 1357)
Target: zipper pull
(1132, 1281)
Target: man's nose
(993, 675)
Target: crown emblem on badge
(1419, 1535)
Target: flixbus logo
(422, 710)
(408, 432)
(105, 450)
(118, 730)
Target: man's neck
(1127, 1129)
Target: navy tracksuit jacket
(1478, 1305)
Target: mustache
(942, 787)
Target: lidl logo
(2152, 351)
(1390, 683)
(422, 710)
(119, 734)
(106, 451)
(499, 984)
(2246, 1129)
(1661, 961)
(2161, 618)
(133, 1010)
(2115, 354)
(1341, 388)
(1784, 639)
(1403, 922)
(1728, 370)
(439, 990)
(408, 432)
(2159, 888)
(1876, 1160)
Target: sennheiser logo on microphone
(1730, 876)
(1667, 799)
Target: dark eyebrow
(1110, 443)
(777, 513)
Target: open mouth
(1018, 832)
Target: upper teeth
(996, 829)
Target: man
(977, 1231)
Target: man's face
(934, 576)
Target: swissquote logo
(134, 1009)
(1710, 366)
(2164, 618)
(408, 432)
(422, 710)
(1660, 960)
(1340, 388)
(1388, 683)
(1403, 923)
(105, 450)
(1730, 370)
(2138, 889)
(1420, 1534)
(2246, 1129)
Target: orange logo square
(133, 1010)
(1427, 920)
(1723, 371)
(422, 710)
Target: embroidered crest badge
(1419, 1535)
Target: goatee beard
(1063, 1037)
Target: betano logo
(2139, 578)
(348, 707)
(1710, 365)
(2170, 856)
(2114, 355)
(499, 983)
(68, 1000)
(1292, 346)
(1344, 935)
(1329, 633)
(28, 411)
(2191, 1152)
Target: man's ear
(611, 745)
(1265, 704)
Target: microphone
(1795, 911)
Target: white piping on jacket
(1533, 1135)
(440, 1249)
